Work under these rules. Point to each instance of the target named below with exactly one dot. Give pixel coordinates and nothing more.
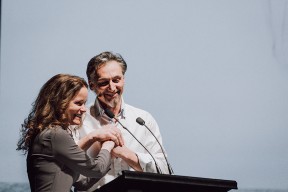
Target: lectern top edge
(179, 179)
(153, 182)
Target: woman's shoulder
(55, 132)
(60, 138)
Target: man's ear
(91, 85)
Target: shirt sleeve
(67, 152)
(146, 161)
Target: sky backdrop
(214, 75)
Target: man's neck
(116, 110)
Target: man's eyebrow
(103, 78)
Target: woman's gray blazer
(54, 162)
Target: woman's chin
(75, 122)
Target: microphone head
(140, 121)
(109, 113)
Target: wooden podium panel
(131, 181)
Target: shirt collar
(99, 111)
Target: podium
(131, 181)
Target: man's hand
(121, 151)
(127, 155)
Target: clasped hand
(109, 133)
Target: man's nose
(112, 86)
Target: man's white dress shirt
(127, 117)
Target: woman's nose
(83, 108)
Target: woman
(54, 160)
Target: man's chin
(109, 103)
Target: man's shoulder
(129, 108)
(89, 122)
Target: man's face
(110, 84)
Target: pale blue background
(214, 74)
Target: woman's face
(76, 107)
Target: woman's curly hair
(48, 110)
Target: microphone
(111, 115)
(140, 121)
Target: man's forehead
(111, 69)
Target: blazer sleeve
(67, 152)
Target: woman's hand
(109, 145)
(106, 133)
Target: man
(106, 78)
